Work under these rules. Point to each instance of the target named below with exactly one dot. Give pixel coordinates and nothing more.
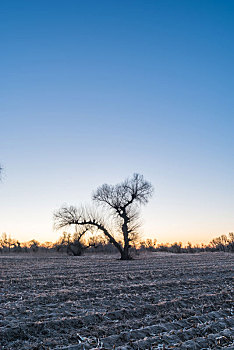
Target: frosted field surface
(158, 301)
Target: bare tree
(73, 243)
(122, 202)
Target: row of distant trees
(76, 245)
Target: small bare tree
(122, 202)
(73, 243)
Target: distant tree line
(76, 244)
(220, 244)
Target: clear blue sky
(92, 91)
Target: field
(158, 301)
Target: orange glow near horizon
(165, 238)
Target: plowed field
(159, 301)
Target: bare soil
(159, 301)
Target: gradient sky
(93, 91)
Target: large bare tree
(120, 212)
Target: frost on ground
(160, 301)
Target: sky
(94, 91)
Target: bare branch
(135, 190)
(67, 216)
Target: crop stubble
(159, 301)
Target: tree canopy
(119, 214)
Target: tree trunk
(125, 254)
